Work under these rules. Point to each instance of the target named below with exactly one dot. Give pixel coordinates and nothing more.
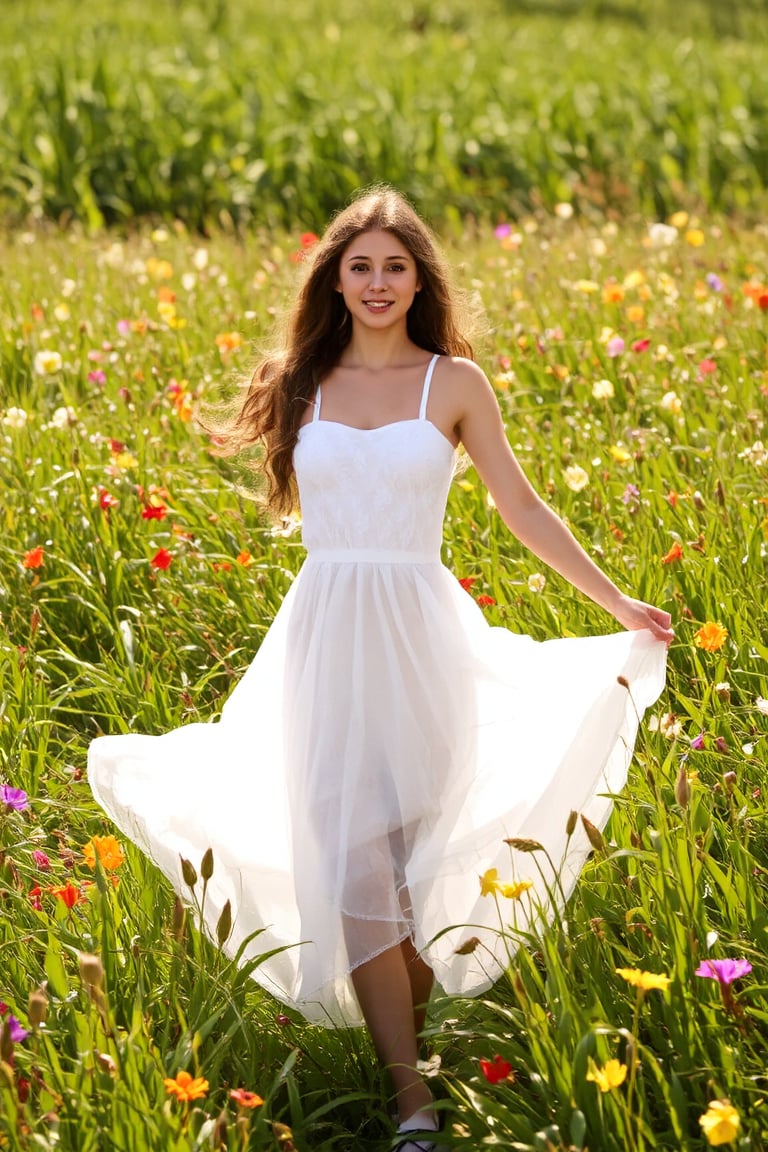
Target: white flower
(575, 478)
(67, 287)
(537, 581)
(670, 726)
(62, 417)
(47, 362)
(15, 418)
(747, 749)
(757, 454)
(61, 311)
(662, 235)
(188, 281)
(290, 524)
(200, 259)
(762, 705)
(671, 402)
(564, 210)
(603, 390)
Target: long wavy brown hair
(319, 328)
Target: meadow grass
(632, 369)
(241, 114)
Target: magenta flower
(41, 860)
(698, 742)
(15, 799)
(631, 492)
(15, 1030)
(98, 376)
(724, 971)
(615, 347)
(502, 230)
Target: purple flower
(698, 742)
(615, 346)
(631, 492)
(714, 282)
(15, 1030)
(502, 230)
(724, 971)
(15, 799)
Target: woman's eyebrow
(398, 257)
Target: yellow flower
(695, 237)
(158, 269)
(185, 1087)
(586, 286)
(620, 455)
(720, 1123)
(635, 314)
(648, 981)
(710, 636)
(634, 279)
(515, 891)
(610, 1076)
(489, 882)
(107, 849)
(678, 219)
(612, 293)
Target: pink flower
(641, 345)
(707, 367)
(41, 860)
(14, 799)
(724, 971)
(97, 377)
(502, 230)
(615, 347)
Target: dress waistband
(371, 556)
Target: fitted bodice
(381, 489)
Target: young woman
(386, 740)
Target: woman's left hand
(635, 614)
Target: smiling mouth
(378, 305)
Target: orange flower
(613, 293)
(227, 342)
(33, 558)
(245, 1099)
(68, 894)
(107, 849)
(675, 553)
(711, 636)
(162, 559)
(185, 1087)
(244, 558)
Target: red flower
(675, 553)
(22, 1089)
(162, 559)
(116, 447)
(308, 239)
(245, 1099)
(34, 898)
(107, 500)
(496, 1069)
(467, 582)
(68, 893)
(485, 601)
(707, 367)
(641, 345)
(154, 512)
(33, 558)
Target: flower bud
(206, 864)
(105, 1062)
(729, 779)
(593, 835)
(523, 844)
(177, 918)
(224, 924)
(188, 872)
(37, 1008)
(6, 1043)
(468, 947)
(682, 788)
(91, 969)
(570, 824)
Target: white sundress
(383, 743)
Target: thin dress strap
(316, 413)
(427, 382)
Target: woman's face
(378, 279)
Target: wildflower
(635, 314)
(162, 559)
(14, 799)
(245, 1099)
(762, 705)
(711, 636)
(489, 882)
(501, 231)
(63, 418)
(496, 1070)
(515, 891)
(33, 558)
(615, 347)
(695, 237)
(671, 402)
(707, 367)
(630, 494)
(670, 726)
(683, 788)
(619, 454)
(158, 269)
(227, 342)
(724, 971)
(15, 418)
(613, 293)
(485, 601)
(185, 1088)
(107, 500)
(536, 582)
(575, 477)
(41, 860)
(46, 363)
(16, 1033)
(714, 282)
(244, 558)
(662, 235)
(720, 1123)
(154, 512)
(587, 287)
(34, 896)
(641, 345)
(67, 893)
(467, 582)
(697, 744)
(610, 1076)
(563, 210)
(675, 553)
(107, 849)
(603, 390)
(646, 981)
(97, 376)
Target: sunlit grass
(641, 449)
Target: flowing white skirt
(367, 770)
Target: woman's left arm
(527, 516)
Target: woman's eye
(397, 268)
(359, 268)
